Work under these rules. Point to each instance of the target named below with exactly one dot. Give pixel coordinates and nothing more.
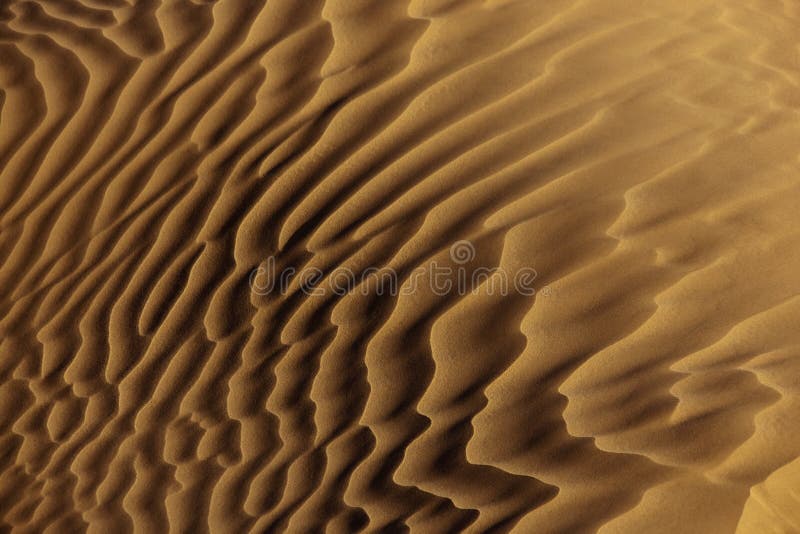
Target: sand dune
(163, 161)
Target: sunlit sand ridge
(640, 158)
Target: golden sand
(639, 159)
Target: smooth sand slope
(642, 157)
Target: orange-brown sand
(162, 162)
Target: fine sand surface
(158, 156)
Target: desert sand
(162, 160)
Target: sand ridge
(641, 157)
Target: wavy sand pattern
(641, 156)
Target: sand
(161, 161)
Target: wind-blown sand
(642, 157)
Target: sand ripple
(642, 157)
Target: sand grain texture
(642, 157)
